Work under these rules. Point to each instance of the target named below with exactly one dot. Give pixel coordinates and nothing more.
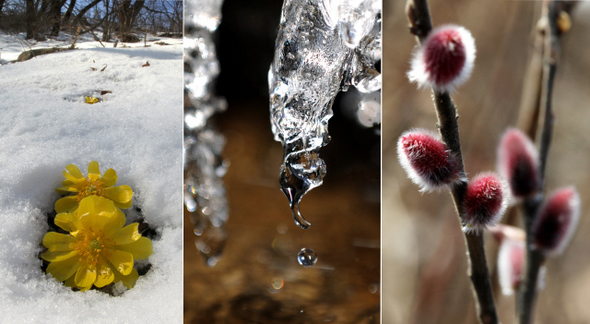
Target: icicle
(322, 48)
(204, 194)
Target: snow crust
(45, 124)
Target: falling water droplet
(307, 257)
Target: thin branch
(527, 293)
(530, 101)
(421, 25)
(551, 54)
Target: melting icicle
(301, 172)
(322, 48)
(204, 195)
(307, 257)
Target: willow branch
(527, 293)
(421, 25)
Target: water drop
(301, 171)
(307, 257)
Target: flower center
(93, 246)
(90, 187)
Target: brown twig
(420, 25)
(527, 293)
(530, 101)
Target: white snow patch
(136, 130)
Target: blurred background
(258, 279)
(424, 262)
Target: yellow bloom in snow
(91, 100)
(93, 184)
(98, 250)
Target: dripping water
(307, 257)
(301, 171)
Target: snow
(12, 44)
(45, 124)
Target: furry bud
(556, 221)
(518, 163)
(511, 260)
(510, 265)
(444, 60)
(485, 202)
(426, 160)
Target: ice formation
(204, 194)
(322, 48)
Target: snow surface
(136, 130)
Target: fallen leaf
(146, 64)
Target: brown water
(258, 279)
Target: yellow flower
(93, 184)
(91, 100)
(98, 250)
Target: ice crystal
(322, 48)
(204, 194)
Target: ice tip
(298, 218)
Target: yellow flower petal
(126, 235)
(66, 204)
(123, 205)
(74, 172)
(109, 178)
(140, 249)
(120, 194)
(95, 212)
(114, 223)
(66, 222)
(129, 280)
(67, 183)
(85, 276)
(93, 170)
(66, 189)
(70, 282)
(63, 269)
(58, 242)
(58, 255)
(104, 275)
(122, 261)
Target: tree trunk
(127, 12)
(1, 5)
(68, 13)
(55, 16)
(30, 18)
(106, 27)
